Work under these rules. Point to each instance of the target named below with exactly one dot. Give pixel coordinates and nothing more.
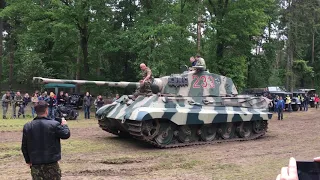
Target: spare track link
(135, 131)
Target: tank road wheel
(227, 130)
(187, 134)
(258, 126)
(150, 129)
(245, 129)
(208, 132)
(165, 135)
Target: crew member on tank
(117, 97)
(193, 61)
(200, 61)
(145, 82)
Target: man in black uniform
(41, 146)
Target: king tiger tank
(192, 108)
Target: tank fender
(182, 116)
(101, 110)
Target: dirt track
(94, 154)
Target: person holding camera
(41, 146)
(291, 172)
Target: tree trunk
(219, 13)
(199, 35)
(182, 4)
(199, 28)
(291, 64)
(84, 37)
(78, 69)
(288, 68)
(269, 31)
(2, 6)
(83, 22)
(219, 53)
(1, 48)
(312, 57)
(99, 65)
(289, 73)
(11, 59)
(126, 66)
(312, 54)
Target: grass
(189, 164)
(262, 169)
(10, 149)
(75, 146)
(9, 125)
(104, 155)
(12, 124)
(70, 146)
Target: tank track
(106, 128)
(135, 130)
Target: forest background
(257, 43)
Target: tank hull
(172, 121)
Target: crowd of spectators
(20, 102)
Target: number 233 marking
(206, 81)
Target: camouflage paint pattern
(197, 84)
(46, 171)
(182, 104)
(186, 110)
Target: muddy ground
(91, 153)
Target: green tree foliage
(246, 40)
(233, 27)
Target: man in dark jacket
(306, 102)
(52, 102)
(280, 107)
(61, 98)
(41, 146)
(99, 102)
(87, 101)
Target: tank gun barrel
(121, 84)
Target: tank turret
(190, 83)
